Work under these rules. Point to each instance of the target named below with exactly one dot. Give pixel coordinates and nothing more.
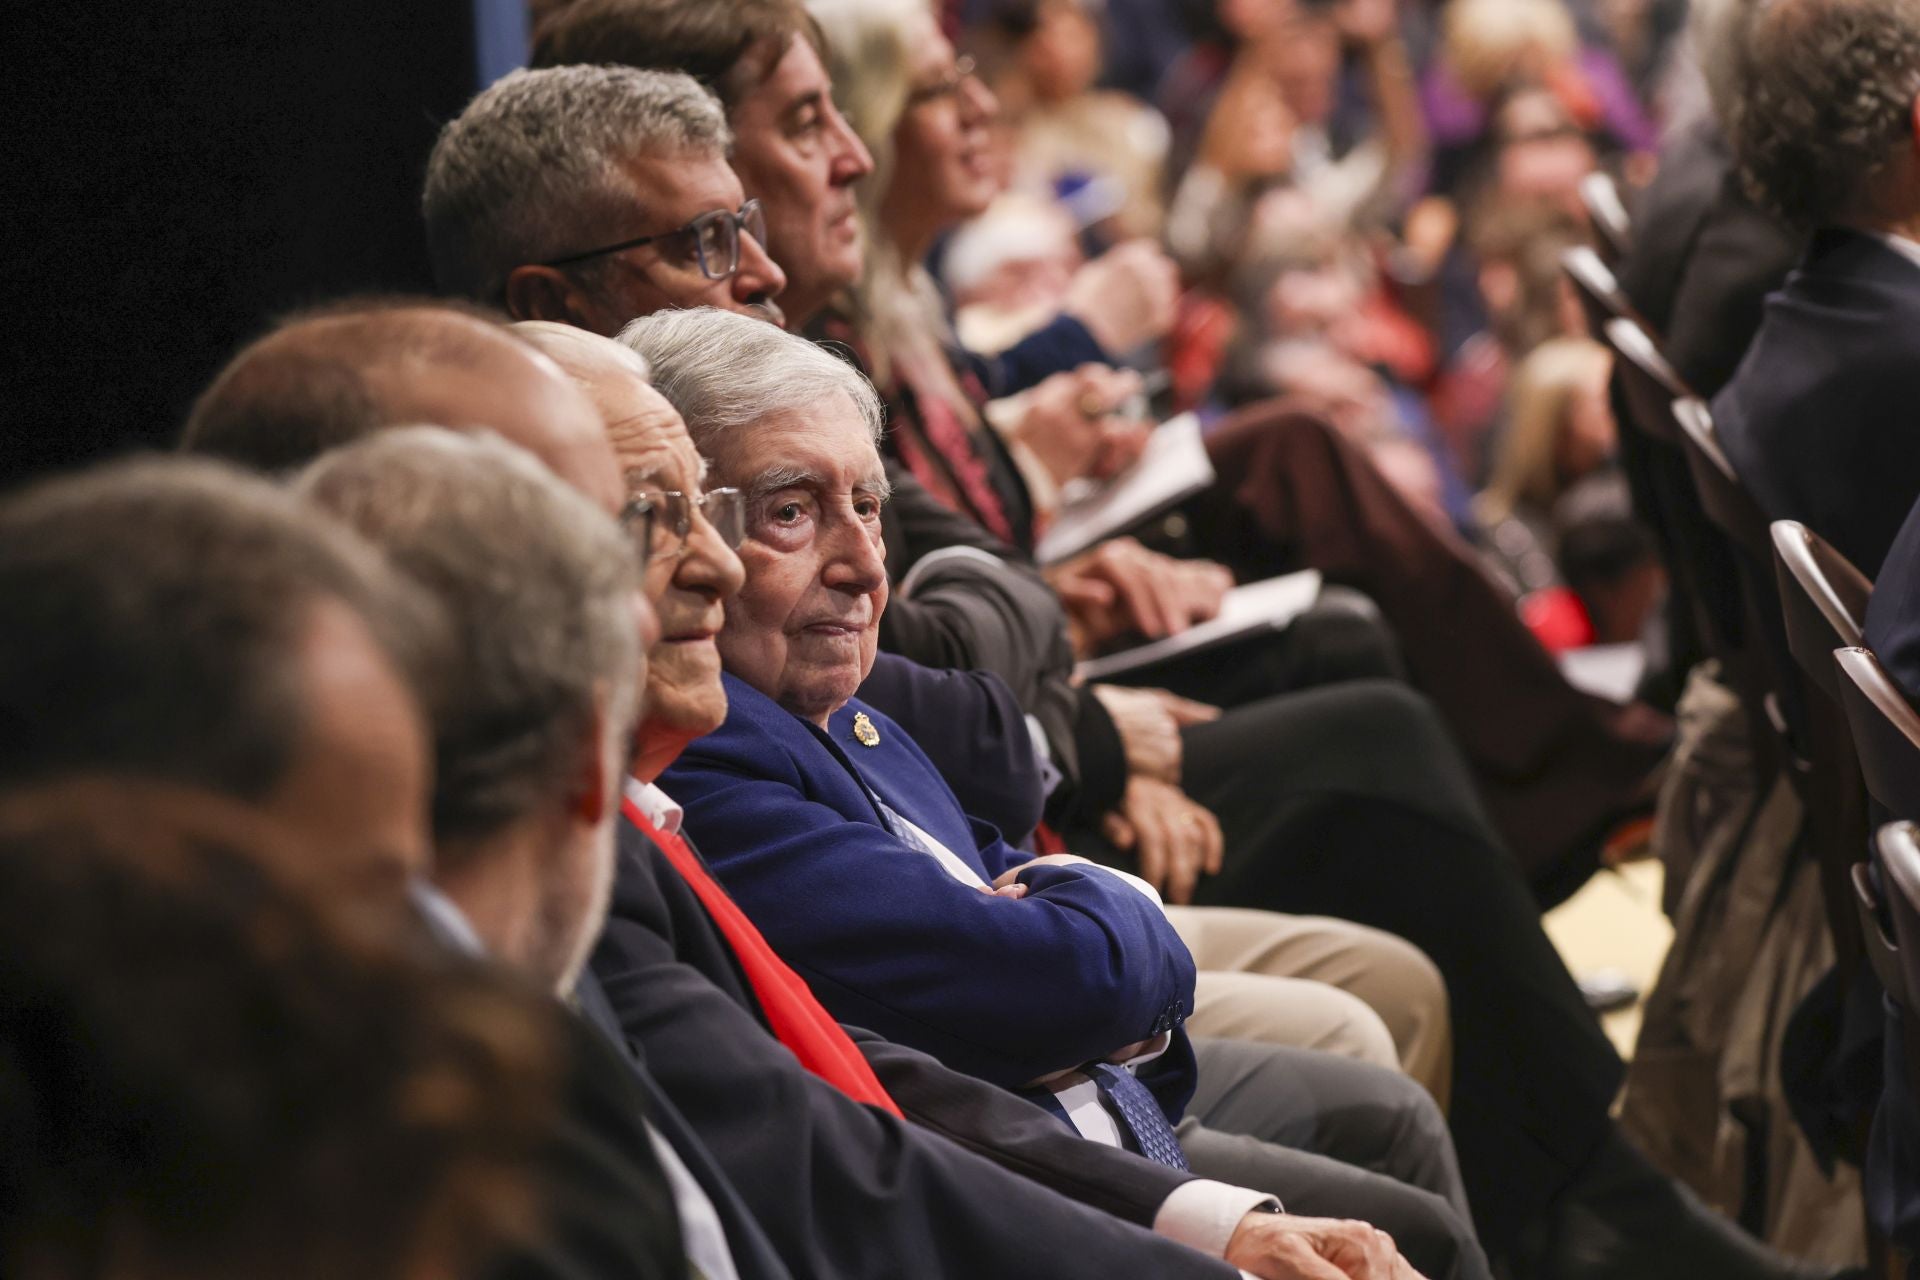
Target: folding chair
(1612, 227)
(1824, 601)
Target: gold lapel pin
(863, 731)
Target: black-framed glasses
(714, 236)
(946, 86)
(670, 517)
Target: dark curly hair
(1829, 92)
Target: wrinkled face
(804, 628)
(944, 170)
(674, 190)
(688, 582)
(798, 155)
(357, 782)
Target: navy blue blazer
(1820, 420)
(837, 1188)
(1004, 989)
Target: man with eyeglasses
(631, 207)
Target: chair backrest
(1593, 282)
(1648, 383)
(1823, 597)
(1722, 495)
(1612, 227)
(1886, 731)
(1898, 844)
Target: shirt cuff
(1204, 1214)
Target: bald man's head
(330, 377)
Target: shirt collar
(1908, 249)
(660, 808)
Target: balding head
(328, 378)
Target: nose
(851, 159)
(710, 567)
(759, 276)
(856, 558)
(978, 103)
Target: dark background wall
(180, 173)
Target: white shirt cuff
(1204, 1214)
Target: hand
(1279, 1246)
(1009, 878)
(1174, 839)
(1069, 422)
(1127, 297)
(1120, 586)
(1149, 723)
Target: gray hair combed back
(532, 169)
(538, 587)
(722, 370)
(1828, 97)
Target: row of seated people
(871, 821)
(1776, 262)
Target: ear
(544, 293)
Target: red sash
(797, 1019)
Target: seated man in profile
(1818, 420)
(175, 620)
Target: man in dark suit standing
(1819, 421)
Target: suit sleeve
(840, 1189)
(1018, 1135)
(1000, 988)
(1062, 344)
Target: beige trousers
(1319, 983)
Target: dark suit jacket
(995, 613)
(607, 1208)
(1893, 614)
(840, 1189)
(1822, 421)
(1704, 259)
(1004, 990)
(992, 766)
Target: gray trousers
(1334, 1138)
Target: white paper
(1173, 466)
(1610, 671)
(1257, 606)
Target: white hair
(722, 370)
(533, 169)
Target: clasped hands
(1279, 1246)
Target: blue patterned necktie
(1139, 1112)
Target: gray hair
(156, 610)
(538, 586)
(1828, 97)
(722, 370)
(533, 168)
